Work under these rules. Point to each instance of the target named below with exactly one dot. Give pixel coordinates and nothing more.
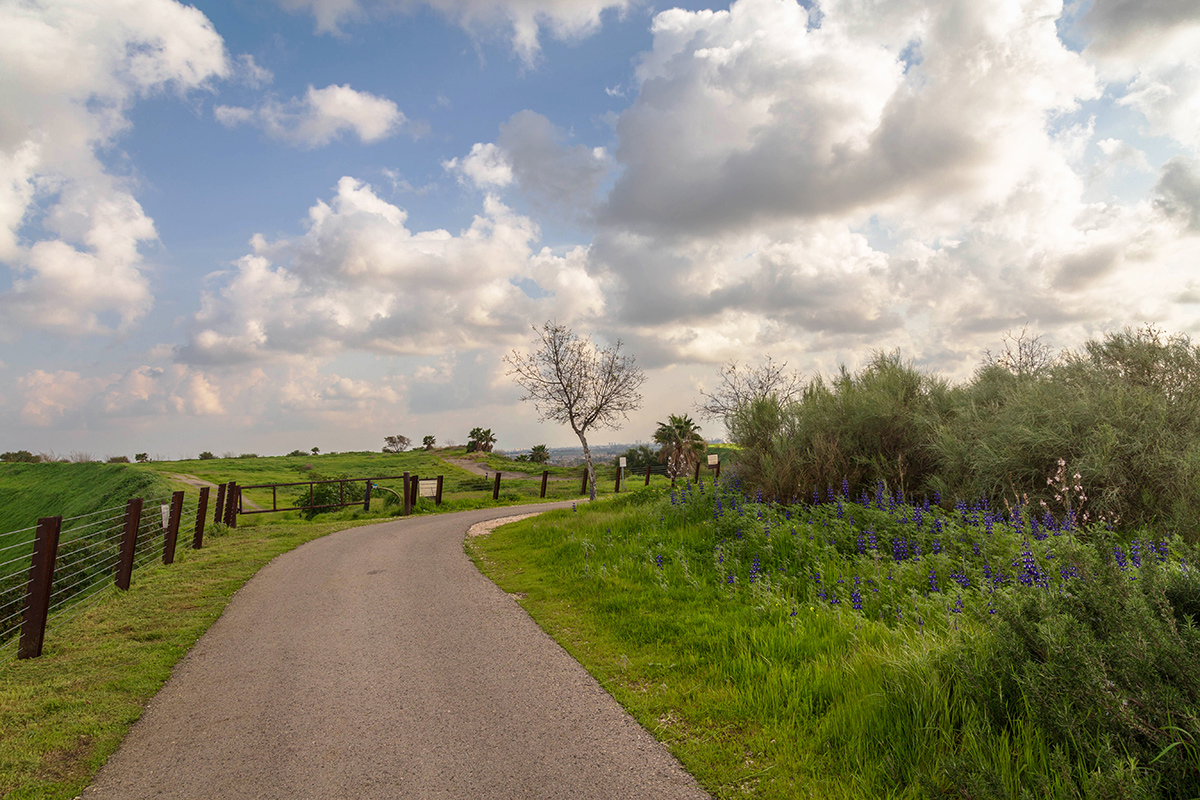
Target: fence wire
(88, 558)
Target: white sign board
(712, 459)
(622, 462)
(427, 488)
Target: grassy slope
(29, 491)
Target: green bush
(325, 497)
(1122, 413)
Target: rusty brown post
(133, 519)
(717, 470)
(437, 498)
(172, 532)
(545, 477)
(647, 474)
(697, 478)
(496, 488)
(407, 496)
(617, 485)
(37, 594)
(367, 499)
(201, 515)
(416, 479)
(231, 504)
(583, 486)
(219, 512)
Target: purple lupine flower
(933, 581)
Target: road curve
(378, 663)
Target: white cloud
(1155, 46)
(358, 279)
(899, 175)
(69, 72)
(320, 117)
(524, 19)
(485, 166)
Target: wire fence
(87, 561)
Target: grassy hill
(30, 491)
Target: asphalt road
(378, 663)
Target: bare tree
(740, 385)
(572, 381)
(1022, 355)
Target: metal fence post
(407, 495)
(697, 478)
(201, 515)
(496, 488)
(416, 479)
(367, 499)
(437, 498)
(219, 513)
(172, 532)
(545, 477)
(133, 519)
(37, 595)
(617, 485)
(231, 504)
(647, 474)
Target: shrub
(325, 497)
(19, 456)
(206, 455)
(118, 459)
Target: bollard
(201, 515)
(133, 519)
(407, 496)
(437, 498)
(545, 477)
(219, 512)
(37, 595)
(647, 474)
(496, 488)
(617, 485)
(172, 532)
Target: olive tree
(574, 382)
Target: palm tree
(540, 454)
(682, 444)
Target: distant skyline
(260, 225)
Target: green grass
(30, 491)
(63, 714)
(763, 687)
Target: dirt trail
(192, 480)
(483, 469)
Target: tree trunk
(591, 471)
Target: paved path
(378, 663)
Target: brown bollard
(545, 477)
(37, 595)
(617, 484)
(133, 519)
(496, 488)
(233, 499)
(437, 498)
(647, 474)
(201, 515)
(172, 532)
(219, 512)
(407, 495)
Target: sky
(262, 225)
